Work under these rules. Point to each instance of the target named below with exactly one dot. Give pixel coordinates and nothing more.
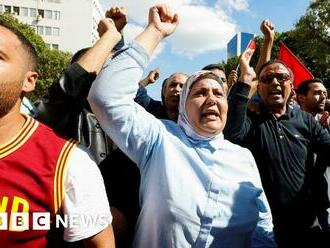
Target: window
(57, 1)
(16, 10)
(56, 15)
(55, 46)
(1, 7)
(47, 45)
(48, 31)
(40, 30)
(56, 31)
(24, 11)
(7, 9)
(41, 13)
(48, 14)
(33, 12)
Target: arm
(66, 97)
(142, 96)
(267, 28)
(111, 96)
(263, 236)
(151, 78)
(104, 239)
(108, 29)
(238, 123)
(86, 202)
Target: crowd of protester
(237, 161)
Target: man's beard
(9, 94)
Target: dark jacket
(66, 110)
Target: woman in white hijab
(197, 189)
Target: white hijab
(183, 120)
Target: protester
(170, 95)
(312, 96)
(66, 110)
(283, 140)
(197, 189)
(41, 171)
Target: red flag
(252, 45)
(299, 71)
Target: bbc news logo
(41, 221)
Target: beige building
(68, 25)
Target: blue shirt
(192, 193)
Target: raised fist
(119, 16)
(268, 29)
(107, 25)
(162, 19)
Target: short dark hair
(27, 45)
(214, 66)
(79, 54)
(303, 87)
(276, 61)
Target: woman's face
(207, 107)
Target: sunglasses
(280, 77)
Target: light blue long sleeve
(192, 193)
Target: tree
(310, 40)
(51, 62)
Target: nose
(323, 95)
(178, 88)
(274, 80)
(211, 99)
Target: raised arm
(67, 96)
(238, 123)
(112, 93)
(151, 78)
(268, 29)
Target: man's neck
(279, 111)
(10, 125)
(308, 111)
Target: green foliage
(309, 41)
(51, 62)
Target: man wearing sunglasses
(283, 140)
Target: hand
(232, 78)
(247, 72)
(324, 121)
(108, 25)
(151, 78)
(163, 20)
(268, 29)
(119, 16)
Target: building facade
(68, 25)
(238, 44)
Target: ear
(301, 99)
(29, 82)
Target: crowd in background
(221, 161)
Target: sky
(205, 28)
